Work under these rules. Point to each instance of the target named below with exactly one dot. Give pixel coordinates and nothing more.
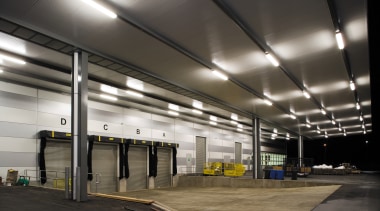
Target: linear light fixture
(306, 94)
(272, 60)
(220, 75)
(173, 107)
(233, 122)
(287, 136)
(292, 116)
(11, 59)
(173, 113)
(197, 111)
(364, 131)
(361, 117)
(308, 125)
(213, 123)
(339, 39)
(268, 102)
(239, 129)
(108, 89)
(340, 127)
(133, 93)
(333, 122)
(234, 116)
(100, 8)
(344, 133)
(323, 111)
(240, 126)
(197, 104)
(1, 71)
(352, 85)
(108, 97)
(357, 106)
(213, 118)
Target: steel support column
(256, 137)
(300, 151)
(79, 98)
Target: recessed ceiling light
(197, 111)
(136, 94)
(108, 89)
(352, 85)
(173, 107)
(213, 123)
(100, 8)
(306, 94)
(220, 75)
(268, 102)
(108, 97)
(197, 104)
(213, 118)
(272, 60)
(12, 59)
(339, 39)
(234, 116)
(173, 113)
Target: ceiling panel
(170, 46)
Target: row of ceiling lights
(273, 60)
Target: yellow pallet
(212, 168)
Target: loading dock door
(200, 154)
(137, 160)
(104, 168)
(57, 157)
(163, 178)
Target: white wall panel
(184, 137)
(137, 121)
(136, 113)
(105, 127)
(137, 132)
(53, 107)
(161, 134)
(53, 96)
(8, 87)
(162, 119)
(183, 123)
(11, 144)
(60, 129)
(53, 120)
(228, 143)
(105, 107)
(17, 115)
(217, 155)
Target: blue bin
(279, 174)
(272, 174)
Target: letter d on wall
(63, 121)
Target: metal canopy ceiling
(170, 47)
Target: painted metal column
(300, 151)
(256, 158)
(79, 98)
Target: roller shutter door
(163, 178)
(200, 154)
(104, 168)
(137, 160)
(238, 152)
(57, 157)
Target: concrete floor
(328, 194)
(219, 198)
(315, 192)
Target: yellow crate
(212, 168)
(60, 183)
(234, 169)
